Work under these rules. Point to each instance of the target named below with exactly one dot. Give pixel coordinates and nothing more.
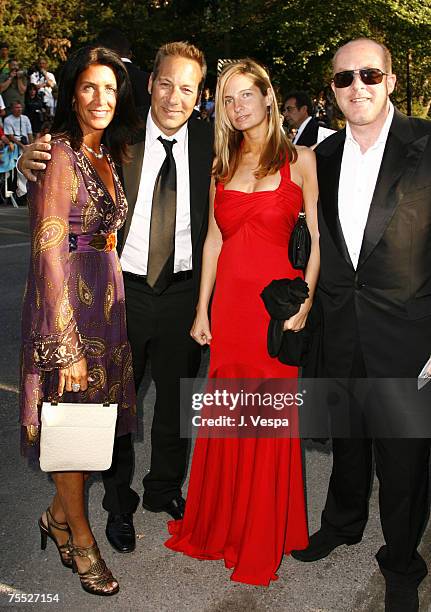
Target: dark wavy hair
(125, 122)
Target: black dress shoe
(121, 532)
(175, 507)
(398, 599)
(321, 545)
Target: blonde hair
(181, 49)
(277, 147)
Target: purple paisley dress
(74, 299)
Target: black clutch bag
(300, 243)
(282, 299)
(296, 348)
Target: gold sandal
(96, 578)
(46, 532)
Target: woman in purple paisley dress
(74, 324)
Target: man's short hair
(387, 57)
(116, 40)
(4, 45)
(302, 99)
(181, 49)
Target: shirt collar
(382, 137)
(304, 124)
(302, 128)
(153, 132)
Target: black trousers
(159, 330)
(402, 467)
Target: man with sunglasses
(375, 291)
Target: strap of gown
(219, 191)
(285, 170)
(285, 174)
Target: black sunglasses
(369, 76)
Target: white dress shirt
(17, 126)
(358, 177)
(134, 257)
(301, 129)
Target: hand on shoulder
(33, 157)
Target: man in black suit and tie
(167, 189)
(297, 110)
(162, 286)
(375, 290)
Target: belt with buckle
(178, 277)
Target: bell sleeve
(56, 341)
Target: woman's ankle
(83, 540)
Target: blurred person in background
(45, 82)
(298, 112)
(35, 108)
(17, 126)
(13, 85)
(2, 109)
(207, 107)
(117, 41)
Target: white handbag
(77, 437)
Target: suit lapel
(131, 179)
(400, 159)
(198, 172)
(330, 155)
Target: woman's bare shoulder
(306, 159)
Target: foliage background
(295, 39)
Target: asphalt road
(153, 578)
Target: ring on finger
(76, 387)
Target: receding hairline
(386, 54)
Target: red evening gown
(245, 501)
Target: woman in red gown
(245, 500)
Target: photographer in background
(13, 85)
(17, 127)
(45, 82)
(35, 109)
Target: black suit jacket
(200, 146)
(385, 304)
(308, 137)
(139, 80)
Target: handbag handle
(105, 404)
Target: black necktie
(162, 229)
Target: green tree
(296, 39)
(39, 27)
